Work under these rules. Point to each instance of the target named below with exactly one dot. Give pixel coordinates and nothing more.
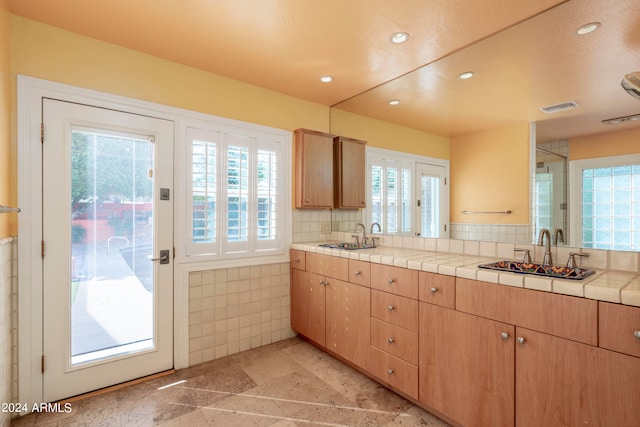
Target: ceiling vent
(569, 105)
(631, 83)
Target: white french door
(432, 195)
(108, 239)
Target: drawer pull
(391, 340)
(521, 340)
(322, 282)
(391, 281)
(637, 334)
(391, 307)
(357, 273)
(297, 259)
(504, 335)
(434, 290)
(390, 371)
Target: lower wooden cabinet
(308, 305)
(347, 321)
(394, 371)
(565, 383)
(333, 313)
(486, 354)
(466, 367)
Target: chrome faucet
(364, 235)
(548, 260)
(558, 236)
(373, 239)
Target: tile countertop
(605, 285)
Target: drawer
(297, 259)
(394, 309)
(400, 281)
(560, 315)
(327, 265)
(395, 340)
(437, 289)
(620, 328)
(396, 372)
(360, 272)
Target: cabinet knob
(322, 282)
(391, 281)
(637, 334)
(391, 340)
(521, 340)
(504, 335)
(307, 200)
(357, 273)
(391, 307)
(434, 290)
(297, 259)
(390, 371)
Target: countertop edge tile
(605, 285)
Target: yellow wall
(605, 144)
(8, 222)
(490, 172)
(386, 135)
(49, 53)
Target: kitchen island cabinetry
(348, 173)
(313, 169)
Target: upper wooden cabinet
(348, 173)
(314, 169)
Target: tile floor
(288, 383)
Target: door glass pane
(112, 283)
(430, 221)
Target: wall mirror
(540, 62)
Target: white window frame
(575, 193)
(223, 253)
(403, 160)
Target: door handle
(164, 257)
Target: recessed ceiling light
(399, 37)
(326, 79)
(466, 75)
(587, 28)
(394, 102)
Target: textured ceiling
(286, 45)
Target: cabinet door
(349, 173)
(308, 305)
(566, 383)
(466, 367)
(347, 321)
(314, 169)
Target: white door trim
(30, 93)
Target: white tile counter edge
(599, 286)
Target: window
(391, 195)
(237, 203)
(397, 182)
(607, 215)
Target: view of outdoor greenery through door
(112, 243)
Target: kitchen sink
(345, 245)
(553, 271)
